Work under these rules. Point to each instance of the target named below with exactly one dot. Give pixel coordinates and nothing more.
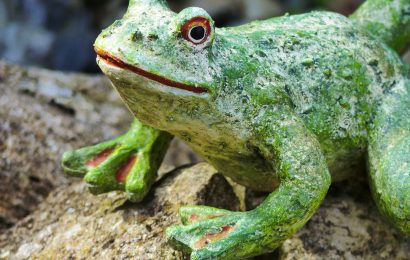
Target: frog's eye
(197, 30)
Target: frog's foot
(105, 166)
(126, 163)
(209, 233)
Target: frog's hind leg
(129, 162)
(389, 157)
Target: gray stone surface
(73, 224)
(347, 226)
(44, 113)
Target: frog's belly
(228, 149)
(237, 161)
(249, 168)
(255, 172)
(251, 171)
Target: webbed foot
(210, 233)
(129, 162)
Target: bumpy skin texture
(285, 105)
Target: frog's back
(334, 75)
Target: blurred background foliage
(58, 34)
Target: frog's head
(159, 46)
(165, 63)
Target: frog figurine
(285, 105)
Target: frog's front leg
(129, 162)
(297, 159)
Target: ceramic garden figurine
(285, 105)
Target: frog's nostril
(137, 36)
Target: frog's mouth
(164, 81)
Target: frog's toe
(72, 165)
(214, 238)
(129, 162)
(112, 165)
(77, 163)
(112, 172)
(191, 214)
(199, 234)
(125, 169)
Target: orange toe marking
(193, 217)
(101, 157)
(125, 170)
(209, 238)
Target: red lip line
(119, 63)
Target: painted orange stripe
(100, 158)
(209, 238)
(125, 170)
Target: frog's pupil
(197, 33)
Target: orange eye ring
(197, 30)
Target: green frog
(285, 105)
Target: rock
(72, 223)
(42, 114)
(347, 226)
(45, 113)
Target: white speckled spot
(26, 250)
(72, 231)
